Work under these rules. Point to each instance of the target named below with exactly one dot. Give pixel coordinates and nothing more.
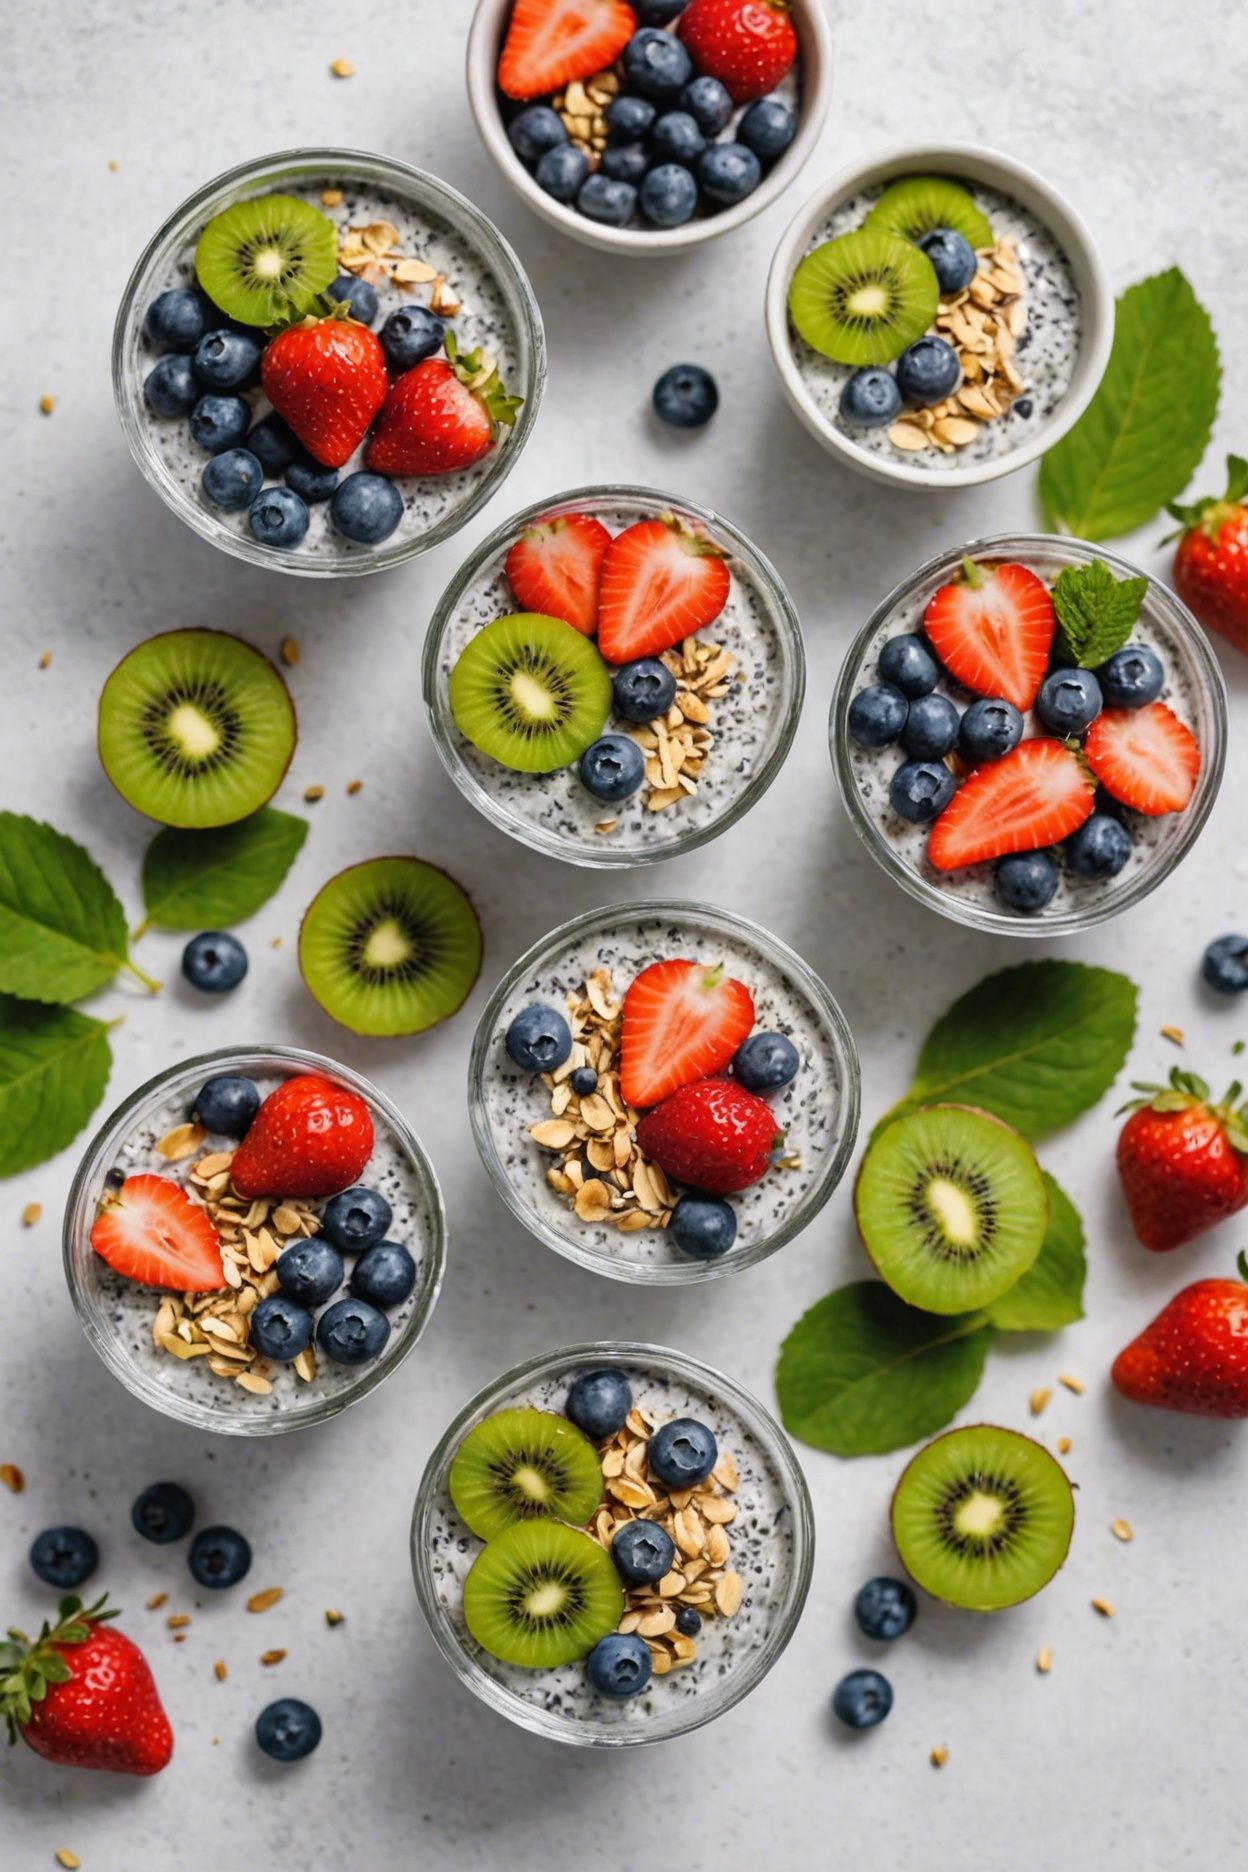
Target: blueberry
(64, 1557)
(598, 1402)
(384, 1276)
(366, 508)
(688, 1622)
(1100, 847)
(629, 118)
(219, 1557)
(703, 1227)
(584, 1081)
(607, 202)
(928, 370)
(685, 397)
(309, 1271)
(952, 257)
(227, 1105)
(171, 386)
(351, 1331)
(768, 127)
(909, 665)
(766, 1061)
(885, 1608)
(538, 1039)
(288, 1729)
(669, 196)
(625, 162)
(1131, 677)
(310, 481)
(355, 1219)
(931, 729)
(612, 768)
(870, 398)
(214, 962)
(274, 444)
(677, 138)
(657, 12)
(178, 318)
(227, 359)
(643, 689)
(410, 335)
(991, 726)
(619, 1665)
(232, 479)
(561, 172)
(877, 715)
(920, 790)
(862, 1699)
(708, 103)
(657, 65)
(278, 517)
(357, 295)
(1027, 881)
(163, 1513)
(682, 1453)
(535, 130)
(728, 172)
(280, 1328)
(643, 1552)
(1225, 964)
(1069, 701)
(219, 422)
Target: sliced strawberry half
(993, 629)
(1145, 757)
(551, 42)
(1033, 797)
(555, 567)
(661, 581)
(682, 1021)
(152, 1232)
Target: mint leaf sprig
(1096, 611)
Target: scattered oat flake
(261, 1601)
(343, 68)
(219, 1670)
(12, 1477)
(45, 661)
(1039, 1398)
(113, 164)
(271, 1657)
(177, 1621)
(1072, 1384)
(1175, 1035)
(333, 1617)
(64, 1857)
(939, 1755)
(313, 793)
(1104, 1607)
(1122, 1530)
(156, 1601)
(31, 1214)
(289, 652)
(1044, 1660)
(1064, 1446)
(276, 943)
(47, 404)
(354, 787)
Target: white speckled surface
(1130, 1752)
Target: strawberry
(443, 415)
(682, 1021)
(1182, 1160)
(1194, 1356)
(1145, 757)
(993, 629)
(81, 1695)
(662, 580)
(1211, 560)
(327, 378)
(712, 1135)
(1034, 796)
(555, 567)
(749, 45)
(150, 1231)
(310, 1138)
(551, 42)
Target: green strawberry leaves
(30, 1666)
(62, 927)
(214, 879)
(54, 1066)
(1096, 611)
(1192, 513)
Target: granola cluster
(676, 745)
(983, 323)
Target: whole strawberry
(310, 1138)
(1194, 1355)
(443, 415)
(1183, 1160)
(749, 45)
(81, 1695)
(327, 378)
(712, 1135)
(1211, 560)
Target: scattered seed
(343, 68)
(333, 1618)
(178, 1621)
(271, 1657)
(64, 1857)
(939, 1756)
(12, 1477)
(1122, 1530)
(289, 652)
(45, 661)
(313, 793)
(1039, 1398)
(1175, 1035)
(261, 1601)
(1044, 1660)
(113, 164)
(1064, 1446)
(331, 197)
(219, 1671)
(31, 1214)
(1104, 1607)
(47, 404)
(354, 787)
(1072, 1384)
(156, 1601)
(276, 943)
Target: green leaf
(54, 1065)
(1096, 610)
(862, 1373)
(1191, 513)
(62, 927)
(1139, 441)
(211, 880)
(1050, 1293)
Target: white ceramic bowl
(971, 163)
(485, 38)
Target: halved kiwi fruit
(266, 259)
(542, 1594)
(390, 946)
(951, 1206)
(982, 1517)
(862, 298)
(915, 205)
(196, 728)
(531, 692)
(519, 1464)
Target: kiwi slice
(196, 728)
(861, 299)
(519, 1464)
(982, 1517)
(531, 692)
(266, 259)
(915, 205)
(951, 1206)
(541, 1594)
(390, 946)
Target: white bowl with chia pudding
(119, 1316)
(1192, 688)
(496, 313)
(751, 724)
(1059, 321)
(817, 1111)
(770, 1537)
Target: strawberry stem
(30, 1665)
